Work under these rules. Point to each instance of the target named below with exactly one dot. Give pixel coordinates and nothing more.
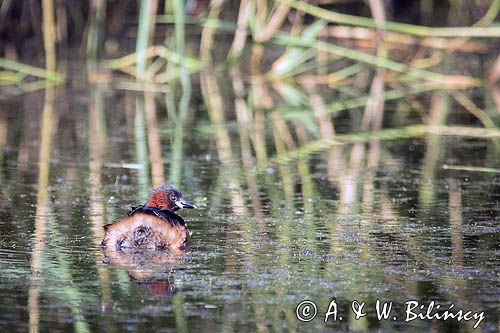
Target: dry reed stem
(473, 109)
(49, 34)
(274, 23)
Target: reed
(413, 131)
(141, 148)
(128, 64)
(95, 35)
(244, 15)
(266, 30)
(296, 57)
(49, 34)
(42, 210)
(154, 143)
(180, 317)
(208, 33)
(376, 61)
(23, 70)
(178, 113)
(97, 145)
(470, 106)
(68, 294)
(4, 9)
(470, 168)
(145, 31)
(416, 30)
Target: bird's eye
(173, 198)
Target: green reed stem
(386, 134)
(96, 28)
(470, 168)
(338, 106)
(417, 30)
(180, 317)
(180, 41)
(49, 34)
(180, 35)
(31, 70)
(141, 147)
(288, 40)
(67, 292)
(146, 20)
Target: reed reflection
(43, 209)
(154, 144)
(97, 142)
(153, 269)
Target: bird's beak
(184, 204)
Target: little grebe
(152, 226)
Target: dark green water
(377, 220)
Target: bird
(152, 226)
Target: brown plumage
(145, 231)
(153, 226)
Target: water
(380, 220)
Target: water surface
(377, 219)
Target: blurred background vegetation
(285, 54)
(308, 70)
(312, 134)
